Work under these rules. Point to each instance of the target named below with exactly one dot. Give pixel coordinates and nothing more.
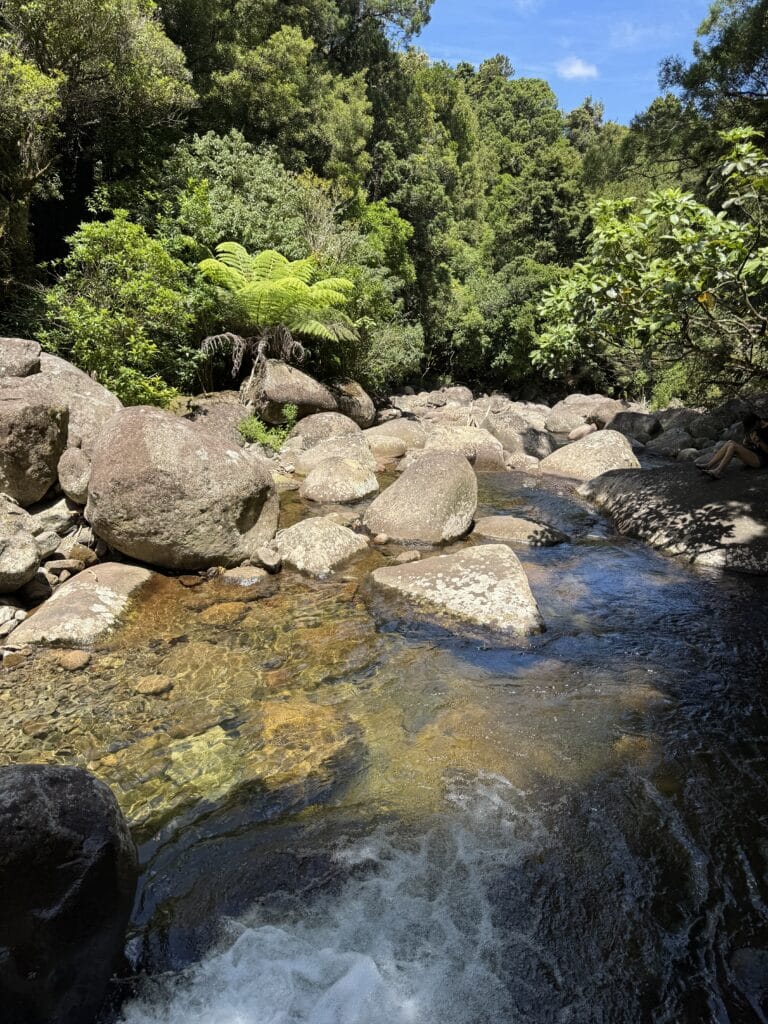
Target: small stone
(154, 686)
(381, 538)
(48, 543)
(12, 659)
(72, 661)
(81, 553)
(61, 565)
(244, 575)
(37, 730)
(190, 581)
(7, 628)
(223, 614)
(268, 558)
(408, 556)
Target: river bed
(347, 818)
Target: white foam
(411, 942)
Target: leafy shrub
(124, 311)
(256, 431)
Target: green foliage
(674, 284)
(256, 431)
(124, 310)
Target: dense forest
(470, 229)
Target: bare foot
(713, 473)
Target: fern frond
(220, 274)
(233, 255)
(268, 265)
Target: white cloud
(628, 35)
(575, 67)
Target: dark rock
(33, 435)
(67, 875)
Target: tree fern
(271, 304)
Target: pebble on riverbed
(72, 661)
(154, 686)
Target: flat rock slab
(513, 530)
(482, 586)
(83, 608)
(677, 509)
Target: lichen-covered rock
(409, 432)
(339, 480)
(74, 472)
(354, 402)
(167, 492)
(19, 552)
(90, 404)
(385, 448)
(68, 870)
(19, 357)
(593, 455)
(348, 446)
(221, 412)
(482, 449)
(322, 426)
(318, 546)
(33, 435)
(279, 385)
(433, 501)
(85, 607)
(514, 530)
(516, 433)
(482, 586)
(575, 410)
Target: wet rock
(406, 557)
(679, 510)
(191, 581)
(354, 402)
(280, 385)
(19, 357)
(223, 614)
(166, 492)
(321, 427)
(268, 557)
(154, 686)
(513, 530)
(74, 472)
(339, 480)
(593, 455)
(433, 501)
(19, 553)
(68, 875)
(72, 661)
(317, 546)
(244, 576)
(33, 435)
(351, 446)
(85, 607)
(482, 586)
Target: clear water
(573, 830)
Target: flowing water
(349, 819)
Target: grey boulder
(74, 472)
(279, 385)
(593, 455)
(354, 402)
(321, 426)
(482, 586)
(514, 530)
(33, 435)
(339, 480)
(167, 492)
(19, 357)
(90, 404)
(347, 446)
(433, 501)
(19, 552)
(318, 546)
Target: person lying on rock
(753, 452)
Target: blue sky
(610, 50)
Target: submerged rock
(85, 607)
(513, 530)
(167, 492)
(482, 586)
(677, 509)
(317, 546)
(433, 501)
(582, 460)
(68, 875)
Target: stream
(345, 818)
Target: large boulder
(90, 404)
(170, 493)
(68, 870)
(593, 455)
(85, 608)
(482, 449)
(322, 426)
(19, 553)
(318, 546)
(74, 472)
(221, 412)
(408, 431)
(339, 480)
(33, 434)
(347, 446)
(432, 502)
(671, 442)
(482, 586)
(514, 530)
(575, 410)
(640, 425)
(677, 509)
(279, 385)
(354, 402)
(19, 357)
(517, 434)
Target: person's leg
(722, 453)
(749, 458)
